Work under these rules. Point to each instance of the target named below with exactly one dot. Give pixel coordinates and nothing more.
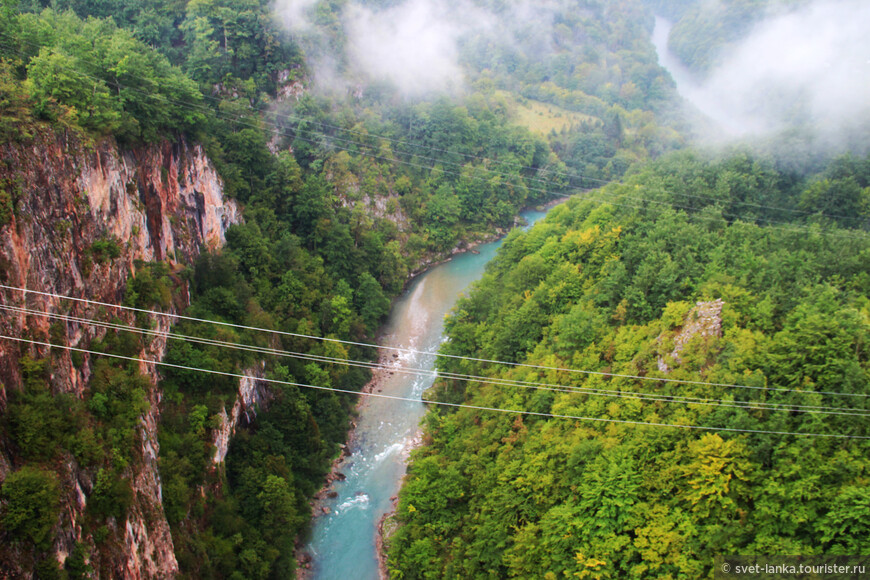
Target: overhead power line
(426, 353)
(495, 381)
(440, 403)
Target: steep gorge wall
(73, 200)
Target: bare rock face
(84, 214)
(704, 320)
(253, 394)
(291, 84)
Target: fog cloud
(414, 44)
(807, 70)
(296, 14)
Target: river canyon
(343, 541)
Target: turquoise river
(342, 545)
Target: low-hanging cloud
(415, 44)
(808, 69)
(412, 44)
(296, 14)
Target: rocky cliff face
(83, 215)
(253, 393)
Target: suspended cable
(642, 396)
(433, 402)
(428, 353)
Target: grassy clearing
(542, 118)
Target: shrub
(32, 498)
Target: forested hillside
(272, 166)
(717, 311)
(343, 196)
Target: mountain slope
(683, 274)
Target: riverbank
(471, 246)
(461, 248)
(388, 360)
(365, 478)
(387, 525)
(386, 364)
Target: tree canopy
(612, 284)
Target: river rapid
(343, 541)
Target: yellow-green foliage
(606, 287)
(543, 118)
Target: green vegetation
(281, 453)
(215, 71)
(544, 119)
(600, 58)
(607, 284)
(32, 504)
(343, 196)
(92, 75)
(99, 434)
(104, 250)
(9, 194)
(150, 287)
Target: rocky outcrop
(290, 84)
(704, 320)
(387, 526)
(253, 393)
(350, 193)
(83, 216)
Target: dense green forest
(725, 271)
(348, 187)
(344, 196)
(216, 74)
